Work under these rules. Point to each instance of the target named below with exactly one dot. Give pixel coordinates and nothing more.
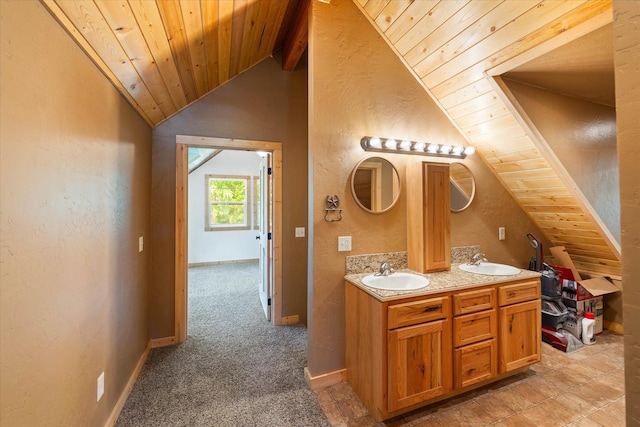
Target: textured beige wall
(358, 87)
(75, 165)
(264, 104)
(583, 136)
(626, 31)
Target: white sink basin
(490, 269)
(396, 281)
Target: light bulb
(418, 146)
(469, 150)
(457, 150)
(404, 145)
(374, 142)
(433, 148)
(390, 144)
(445, 149)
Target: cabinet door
(520, 335)
(419, 363)
(428, 217)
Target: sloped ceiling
(582, 68)
(164, 55)
(457, 50)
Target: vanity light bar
(390, 145)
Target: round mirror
(375, 184)
(463, 187)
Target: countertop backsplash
(370, 263)
(462, 254)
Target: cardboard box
(581, 295)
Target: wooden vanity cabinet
(405, 353)
(475, 329)
(520, 330)
(419, 355)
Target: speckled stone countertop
(439, 282)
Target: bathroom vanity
(406, 349)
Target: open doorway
(229, 220)
(271, 193)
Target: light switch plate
(501, 233)
(300, 231)
(140, 244)
(344, 243)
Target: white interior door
(266, 234)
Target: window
(227, 201)
(256, 202)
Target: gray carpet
(235, 369)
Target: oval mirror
(463, 187)
(375, 184)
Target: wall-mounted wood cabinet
(428, 217)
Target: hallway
(235, 369)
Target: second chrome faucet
(385, 269)
(477, 259)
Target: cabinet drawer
(474, 327)
(475, 363)
(412, 313)
(511, 294)
(472, 301)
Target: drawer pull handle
(434, 308)
(511, 294)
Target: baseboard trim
(290, 320)
(614, 327)
(115, 413)
(163, 342)
(325, 380)
(232, 261)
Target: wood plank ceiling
(454, 48)
(164, 55)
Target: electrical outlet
(140, 244)
(344, 243)
(100, 387)
(501, 233)
(299, 231)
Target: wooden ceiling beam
(297, 37)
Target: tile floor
(582, 389)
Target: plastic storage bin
(553, 313)
(550, 283)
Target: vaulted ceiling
(166, 54)
(458, 49)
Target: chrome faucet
(477, 259)
(385, 269)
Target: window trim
(255, 193)
(247, 203)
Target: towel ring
(332, 206)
